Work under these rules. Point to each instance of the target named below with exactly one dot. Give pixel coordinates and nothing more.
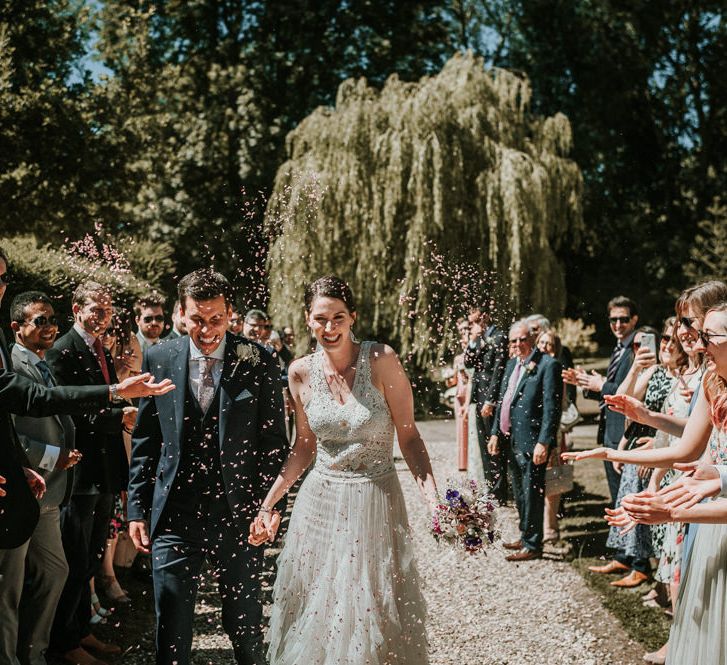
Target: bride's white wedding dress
(347, 590)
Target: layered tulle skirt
(347, 591)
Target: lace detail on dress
(355, 439)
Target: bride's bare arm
(389, 376)
(303, 451)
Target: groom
(201, 463)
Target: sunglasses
(40, 321)
(619, 319)
(159, 318)
(519, 340)
(687, 321)
(707, 337)
(5, 278)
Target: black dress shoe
(514, 545)
(524, 555)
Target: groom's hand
(143, 385)
(139, 536)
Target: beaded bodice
(355, 439)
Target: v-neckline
(352, 388)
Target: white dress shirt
(194, 355)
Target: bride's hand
(264, 527)
(258, 534)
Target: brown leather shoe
(524, 555)
(514, 545)
(92, 643)
(611, 567)
(634, 578)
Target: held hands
(493, 445)
(644, 358)
(143, 385)
(68, 458)
(540, 454)
(595, 453)
(129, 418)
(579, 377)
(264, 527)
(2, 482)
(35, 482)
(700, 481)
(628, 406)
(488, 410)
(139, 534)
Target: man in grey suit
(27, 614)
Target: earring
(353, 337)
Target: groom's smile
(206, 322)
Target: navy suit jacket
(488, 359)
(536, 406)
(252, 438)
(18, 395)
(611, 425)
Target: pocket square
(245, 394)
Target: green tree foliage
(393, 190)
(644, 87)
(709, 252)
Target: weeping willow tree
(396, 190)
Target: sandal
(97, 610)
(113, 590)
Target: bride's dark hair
(329, 286)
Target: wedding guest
(257, 326)
(236, 322)
(623, 317)
(149, 312)
(539, 324)
(526, 423)
(462, 397)
(127, 356)
(49, 444)
(79, 358)
(549, 343)
(287, 353)
(486, 354)
(179, 328)
(651, 381)
(697, 636)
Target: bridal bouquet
(466, 517)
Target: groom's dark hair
(204, 284)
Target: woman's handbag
(570, 417)
(558, 479)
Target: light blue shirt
(51, 453)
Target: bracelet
(264, 509)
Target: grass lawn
(586, 531)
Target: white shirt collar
(218, 353)
(87, 337)
(33, 357)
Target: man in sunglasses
(622, 317)
(149, 313)
(49, 444)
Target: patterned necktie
(507, 400)
(101, 357)
(43, 368)
(206, 387)
(613, 363)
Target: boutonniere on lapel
(531, 367)
(246, 353)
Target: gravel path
(482, 609)
(485, 610)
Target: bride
(347, 589)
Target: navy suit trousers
(190, 533)
(528, 486)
